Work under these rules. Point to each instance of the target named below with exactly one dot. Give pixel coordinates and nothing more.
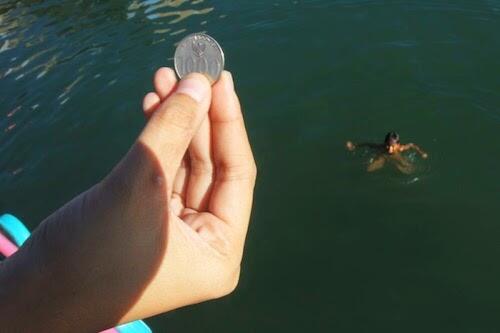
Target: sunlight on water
(39, 55)
(160, 9)
(41, 41)
(180, 15)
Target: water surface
(331, 247)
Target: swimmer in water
(389, 151)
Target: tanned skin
(389, 151)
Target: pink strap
(7, 248)
(111, 330)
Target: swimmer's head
(391, 142)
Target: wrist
(21, 280)
(48, 284)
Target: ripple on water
(42, 37)
(51, 54)
(18, 33)
(389, 175)
(155, 10)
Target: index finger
(235, 169)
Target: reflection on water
(160, 9)
(66, 48)
(25, 26)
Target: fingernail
(194, 87)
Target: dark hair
(391, 138)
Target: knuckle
(201, 166)
(228, 284)
(237, 171)
(201, 170)
(180, 114)
(232, 281)
(254, 169)
(179, 111)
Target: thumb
(175, 122)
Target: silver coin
(199, 53)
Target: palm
(190, 205)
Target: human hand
(424, 156)
(212, 191)
(165, 229)
(350, 146)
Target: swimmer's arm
(417, 148)
(370, 145)
(376, 164)
(351, 146)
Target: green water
(330, 247)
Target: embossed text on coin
(199, 53)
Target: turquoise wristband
(134, 327)
(14, 228)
